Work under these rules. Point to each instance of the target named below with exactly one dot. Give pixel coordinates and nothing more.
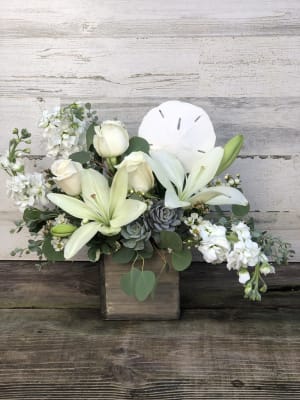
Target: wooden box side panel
(115, 304)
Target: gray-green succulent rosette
(132, 197)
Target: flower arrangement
(158, 192)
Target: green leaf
(128, 281)
(144, 285)
(50, 253)
(181, 260)
(82, 157)
(147, 253)
(240, 211)
(123, 256)
(90, 135)
(94, 254)
(170, 240)
(137, 143)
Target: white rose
(111, 139)
(140, 176)
(67, 176)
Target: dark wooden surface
(54, 344)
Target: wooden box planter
(117, 305)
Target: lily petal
(173, 168)
(203, 172)
(109, 230)
(73, 206)
(159, 171)
(118, 191)
(204, 196)
(173, 201)
(228, 195)
(80, 238)
(130, 210)
(95, 191)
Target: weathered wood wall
(239, 60)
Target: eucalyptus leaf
(170, 240)
(94, 254)
(82, 157)
(240, 211)
(181, 260)
(123, 256)
(90, 135)
(50, 253)
(144, 285)
(128, 281)
(137, 144)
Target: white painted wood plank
(119, 18)
(271, 126)
(156, 67)
(270, 184)
(284, 225)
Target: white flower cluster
(27, 190)
(11, 167)
(216, 248)
(64, 131)
(58, 243)
(214, 245)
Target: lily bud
(63, 230)
(231, 151)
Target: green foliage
(128, 281)
(123, 256)
(275, 248)
(35, 219)
(181, 260)
(83, 157)
(240, 211)
(170, 240)
(94, 254)
(50, 253)
(147, 252)
(90, 135)
(144, 285)
(137, 144)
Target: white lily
(105, 207)
(185, 190)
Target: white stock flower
(267, 268)
(140, 176)
(63, 131)
(27, 190)
(214, 245)
(242, 230)
(245, 253)
(244, 275)
(67, 176)
(111, 139)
